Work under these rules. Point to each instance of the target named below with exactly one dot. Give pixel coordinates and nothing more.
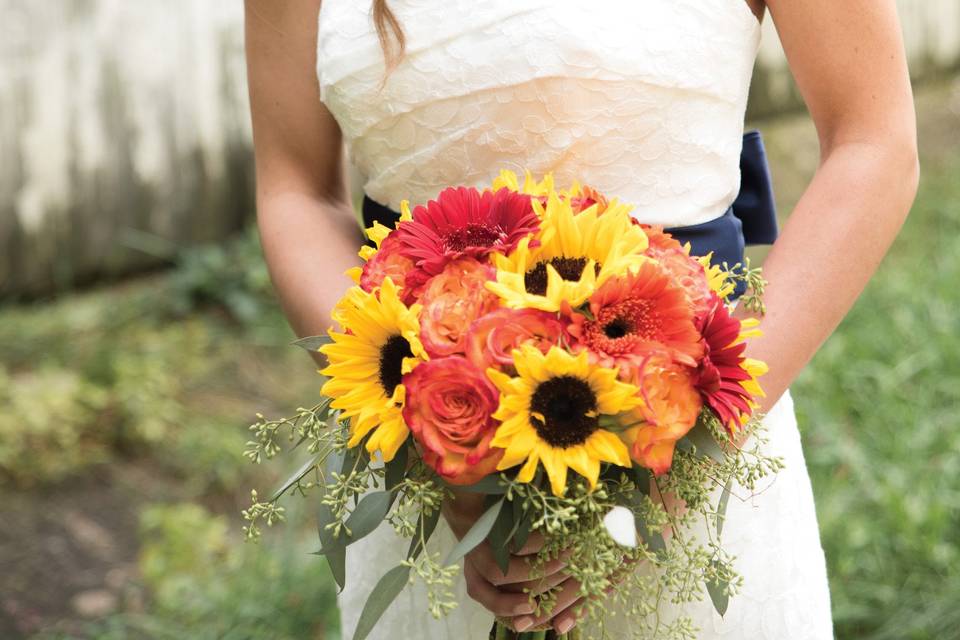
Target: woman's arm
(849, 63)
(310, 234)
(308, 229)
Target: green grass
(879, 409)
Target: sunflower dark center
(568, 268)
(392, 353)
(569, 409)
(617, 328)
(473, 235)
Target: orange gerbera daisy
(636, 316)
(686, 270)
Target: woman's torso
(642, 99)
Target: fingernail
(522, 624)
(565, 626)
(523, 609)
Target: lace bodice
(643, 99)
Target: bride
(644, 99)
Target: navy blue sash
(750, 220)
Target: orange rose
(449, 408)
(670, 409)
(452, 300)
(387, 262)
(493, 337)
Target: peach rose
(449, 408)
(387, 262)
(670, 409)
(493, 337)
(452, 300)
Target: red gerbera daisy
(636, 316)
(463, 222)
(722, 372)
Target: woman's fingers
(540, 585)
(518, 569)
(568, 595)
(567, 619)
(504, 604)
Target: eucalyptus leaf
(705, 443)
(425, 527)
(500, 534)
(304, 469)
(354, 459)
(368, 514)
(722, 506)
(641, 478)
(386, 591)
(312, 343)
(333, 548)
(653, 540)
(718, 595)
(396, 469)
(523, 527)
(477, 534)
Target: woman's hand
(505, 595)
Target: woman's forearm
(308, 243)
(831, 245)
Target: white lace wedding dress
(644, 99)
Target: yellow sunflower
(366, 366)
(550, 414)
(576, 254)
(530, 186)
(718, 279)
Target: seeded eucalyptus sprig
(752, 278)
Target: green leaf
(722, 506)
(386, 591)
(396, 469)
(368, 514)
(425, 526)
(333, 548)
(641, 478)
(304, 469)
(490, 485)
(718, 595)
(653, 540)
(312, 343)
(354, 459)
(522, 523)
(706, 444)
(500, 534)
(477, 534)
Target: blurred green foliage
(879, 408)
(122, 370)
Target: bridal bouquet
(536, 345)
